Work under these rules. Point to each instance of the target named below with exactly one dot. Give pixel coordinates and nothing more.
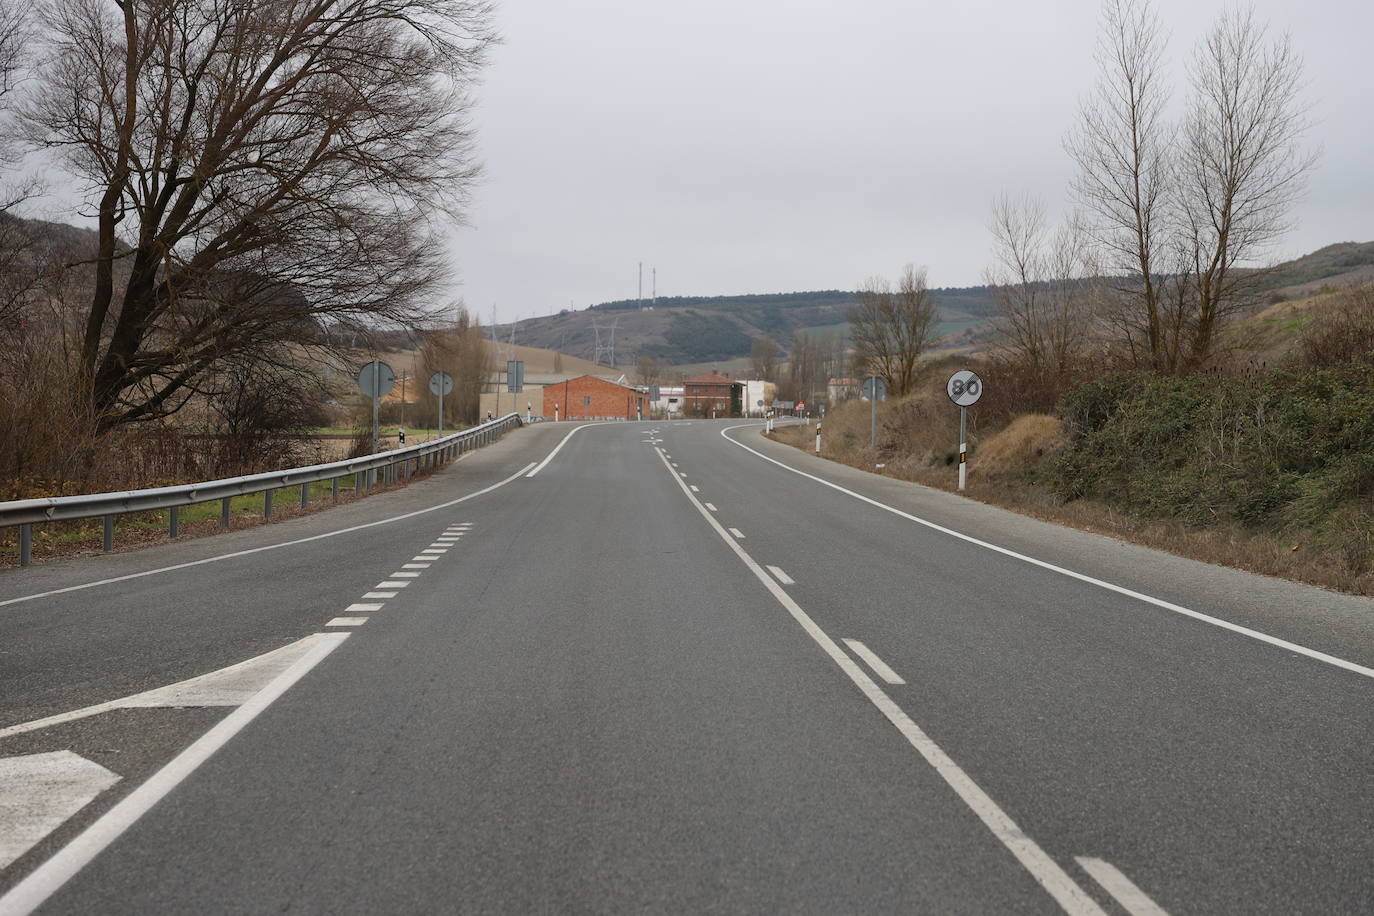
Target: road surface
(675, 667)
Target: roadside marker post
(818, 437)
(964, 389)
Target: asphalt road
(684, 669)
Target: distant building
(839, 390)
(758, 397)
(590, 398)
(713, 395)
(670, 402)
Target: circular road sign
(376, 379)
(441, 383)
(964, 388)
(875, 388)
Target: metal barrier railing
(392, 465)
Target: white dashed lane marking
(347, 622)
(712, 508)
(391, 584)
(781, 576)
(736, 532)
(379, 594)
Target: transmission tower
(606, 350)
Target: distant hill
(698, 329)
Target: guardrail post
(25, 544)
(174, 522)
(107, 540)
(335, 488)
(305, 495)
(224, 513)
(266, 503)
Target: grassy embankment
(1270, 470)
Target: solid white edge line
(781, 576)
(46, 879)
(252, 550)
(1120, 590)
(1132, 899)
(559, 447)
(871, 658)
(1035, 860)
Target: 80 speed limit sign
(964, 388)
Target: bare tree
(764, 356)
(892, 327)
(1240, 166)
(467, 356)
(649, 370)
(1121, 143)
(253, 167)
(1042, 285)
(1183, 217)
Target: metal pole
(25, 544)
(963, 445)
(441, 407)
(174, 522)
(873, 417)
(107, 542)
(305, 495)
(266, 503)
(335, 487)
(372, 474)
(224, 513)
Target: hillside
(700, 329)
(681, 330)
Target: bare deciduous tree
(1184, 217)
(763, 355)
(892, 327)
(1240, 165)
(649, 370)
(1121, 144)
(254, 167)
(467, 356)
(1042, 285)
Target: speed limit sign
(964, 388)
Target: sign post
(875, 389)
(964, 388)
(441, 383)
(376, 381)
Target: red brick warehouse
(590, 398)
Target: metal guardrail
(392, 465)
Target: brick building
(714, 393)
(590, 398)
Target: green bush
(1289, 451)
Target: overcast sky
(753, 146)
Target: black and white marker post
(964, 388)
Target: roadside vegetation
(1147, 379)
(268, 186)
